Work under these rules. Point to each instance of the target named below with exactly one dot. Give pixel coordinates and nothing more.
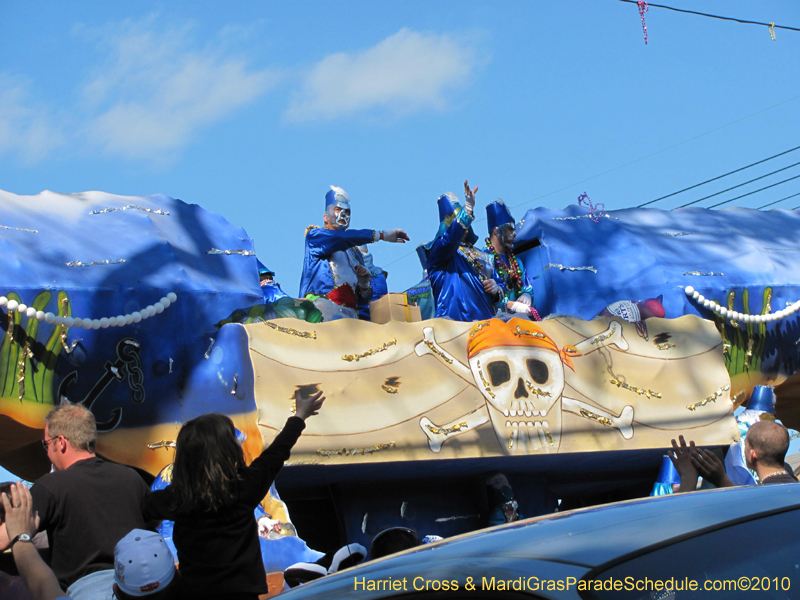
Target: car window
(755, 559)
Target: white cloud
(158, 89)
(407, 72)
(27, 130)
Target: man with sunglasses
(86, 505)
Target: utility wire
(776, 201)
(403, 257)
(754, 192)
(692, 12)
(738, 186)
(715, 178)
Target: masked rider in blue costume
(334, 275)
(518, 296)
(269, 287)
(464, 282)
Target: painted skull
(520, 371)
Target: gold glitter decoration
(536, 391)
(666, 346)
(163, 444)
(26, 353)
(480, 326)
(749, 355)
(549, 437)
(519, 332)
(354, 451)
(64, 328)
(735, 399)
(437, 352)
(602, 338)
(484, 382)
(391, 384)
(595, 417)
(290, 331)
(383, 347)
(447, 430)
(712, 398)
(771, 28)
(650, 394)
(511, 441)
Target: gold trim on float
(354, 451)
(437, 352)
(650, 394)
(712, 398)
(356, 357)
(290, 331)
(595, 417)
(447, 430)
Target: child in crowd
(212, 498)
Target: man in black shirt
(86, 504)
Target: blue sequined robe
(456, 281)
(330, 260)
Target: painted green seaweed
(743, 343)
(23, 357)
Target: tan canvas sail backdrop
(445, 389)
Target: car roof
(588, 537)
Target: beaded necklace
(511, 273)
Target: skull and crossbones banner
(444, 389)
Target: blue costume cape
(457, 286)
(322, 269)
(272, 293)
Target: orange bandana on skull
(517, 332)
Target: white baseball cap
(143, 563)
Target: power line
(738, 186)
(692, 12)
(715, 178)
(654, 153)
(776, 201)
(754, 192)
(710, 131)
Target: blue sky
(252, 109)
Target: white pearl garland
(104, 322)
(732, 315)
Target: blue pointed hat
(263, 270)
(497, 214)
(447, 206)
(763, 398)
(336, 196)
(668, 474)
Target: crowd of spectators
(99, 517)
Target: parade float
(148, 310)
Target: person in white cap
(143, 563)
(144, 566)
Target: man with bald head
(765, 448)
